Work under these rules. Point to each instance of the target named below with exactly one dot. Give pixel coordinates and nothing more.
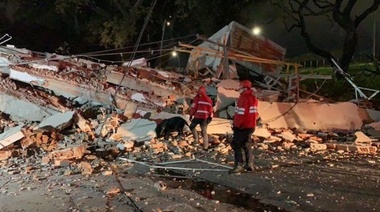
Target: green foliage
(110, 24)
(338, 89)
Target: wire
(135, 48)
(283, 114)
(144, 44)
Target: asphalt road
(328, 182)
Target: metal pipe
(174, 168)
(212, 163)
(178, 161)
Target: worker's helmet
(246, 84)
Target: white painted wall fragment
(25, 77)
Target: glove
(209, 119)
(191, 118)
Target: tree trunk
(350, 44)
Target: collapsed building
(70, 107)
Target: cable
(92, 56)
(145, 44)
(135, 49)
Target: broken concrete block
(82, 123)
(314, 147)
(126, 146)
(362, 149)
(137, 130)
(183, 144)
(76, 152)
(5, 154)
(362, 139)
(22, 109)
(57, 121)
(272, 139)
(287, 145)
(45, 160)
(288, 136)
(304, 136)
(130, 110)
(218, 126)
(317, 139)
(113, 191)
(158, 145)
(25, 77)
(85, 168)
(261, 132)
(62, 163)
(10, 136)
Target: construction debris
(69, 111)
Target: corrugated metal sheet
(240, 38)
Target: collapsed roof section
(235, 38)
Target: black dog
(170, 125)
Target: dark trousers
(203, 124)
(241, 142)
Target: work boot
(238, 168)
(205, 146)
(249, 167)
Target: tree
(111, 23)
(90, 25)
(38, 27)
(347, 14)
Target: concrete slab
(140, 84)
(137, 130)
(57, 121)
(10, 136)
(22, 109)
(25, 77)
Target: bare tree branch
(120, 8)
(371, 9)
(341, 13)
(99, 10)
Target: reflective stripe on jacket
(201, 107)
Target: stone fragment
(85, 168)
(75, 152)
(362, 139)
(314, 147)
(5, 154)
(288, 136)
(262, 132)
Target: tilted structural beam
(237, 56)
(358, 90)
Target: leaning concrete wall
(312, 115)
(306, 115)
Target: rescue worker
(244, 124)
(201, 113)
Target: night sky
(323, 33)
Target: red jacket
(246, 110)
(202, 106)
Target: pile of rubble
(63, 111)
